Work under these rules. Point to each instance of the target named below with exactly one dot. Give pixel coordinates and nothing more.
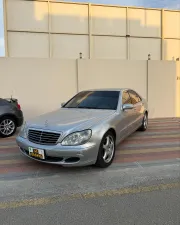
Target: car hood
(69, 119)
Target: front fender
(99, 131)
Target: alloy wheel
(108, 149)
(7, 127)
(145, 122)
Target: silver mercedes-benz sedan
(86, 129)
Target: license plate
(36, 153)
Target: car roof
(109, 89)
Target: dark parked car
(11, 116)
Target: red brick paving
(137, 148)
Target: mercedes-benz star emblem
(46, 123)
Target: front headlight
(23, 131)
(77, 138)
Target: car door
(137, 103)
(127, 116)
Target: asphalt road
(136, 196)
(160, 207)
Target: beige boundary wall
(162, 88)
(54, 29)
(178, 88)
(41, 85)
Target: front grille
(43, 137)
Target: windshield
(94, 100)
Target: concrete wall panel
(162, 98)
(144, 23)
(171, 24)
(69, 18)
(108, 20)
(171, 49)
(178, 89)
(141, 47)
(33, 45)
(103, 24)
(40, 85)
(112, 74)
(69, 46)
(153, 23)
(27, 15)
(35, 81)
(109, 47)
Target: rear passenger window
(134, 97)
(126, 98)
(3, 102)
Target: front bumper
(62, 155)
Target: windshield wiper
(83, 107)
(106, 108)
(70, 107)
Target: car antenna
(12, 95)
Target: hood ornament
(46, 123)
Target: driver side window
(126, 98)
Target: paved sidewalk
(160, 143)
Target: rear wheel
(106, 151)
(7, 126)
(144, 123)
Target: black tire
(14, 126)
(144, 125)
(101, 162)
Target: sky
(171, 4)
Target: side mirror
(62, 104)
(127, 106)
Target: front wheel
(7, 127)
(106, 151)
